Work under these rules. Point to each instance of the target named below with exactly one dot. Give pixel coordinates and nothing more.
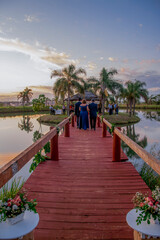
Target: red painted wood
(54, 147)
(84, 195)
(73, 121)
(67, 130)
(116, 148)
(98, 122)
(104, 131)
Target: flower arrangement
(149, 206)
(14, 201)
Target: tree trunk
(127, 107)
(130, 114)
(103, 105)
(68, 102)
(134, 104)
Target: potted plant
(14, 203)
(148, 207)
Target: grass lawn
(143, 106)
(121, 118)
(51, 119)
(19, 109)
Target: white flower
(8, 208)
(14, 207)
(26, 206)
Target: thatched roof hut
(88, 96)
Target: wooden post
(116, 148)
(98, 121)
(54, 148)
(104, 130)
(66, 130)
(73, 121)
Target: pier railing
(153, 162)
(12, 167)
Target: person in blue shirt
(93, 114)
(116, 107)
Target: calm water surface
(146, 133)
(16, 134)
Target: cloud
(151, 78)
(154, 89)
(91, 66)
(140, 25)
(29, 18)
(101, 58)
(37, 90)
(38, 53)
(112, 59)
(148, 61)
(158, 47)
(1, 31)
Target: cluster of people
(81, 112)
(113, 107)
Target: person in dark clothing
(93, 114)
(77, 112)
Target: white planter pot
(16, 219)
(152, 221)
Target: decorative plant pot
(16, 219)
(152, 221)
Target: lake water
(146, 133)
(16, 134)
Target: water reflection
(26, 124)
(152, 115)
(146, 134)
(130, 132)
(12, 139)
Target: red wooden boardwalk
(84, 195)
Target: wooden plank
(84, 195)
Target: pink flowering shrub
(149, 207)
(10, 208)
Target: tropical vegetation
(132, 94)
(25, 95)
(104, 84)
(69, 78)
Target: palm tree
(60, 89)
(106, 81)
(135, 90)
(69, 78)
(25, 95)
(26, 124)
(84, 86)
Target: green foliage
(150, 177)
(57, 106)
(11, 207)
(47, 148)
(11, 192)
(38, 158)
(36, 135)
(112, 129)
(39, 103)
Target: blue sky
(37, 36)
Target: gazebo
(88, 96)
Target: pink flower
(150, 204)
(141, 204)
(148, 199)
(9, 204)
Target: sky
(38, 36)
